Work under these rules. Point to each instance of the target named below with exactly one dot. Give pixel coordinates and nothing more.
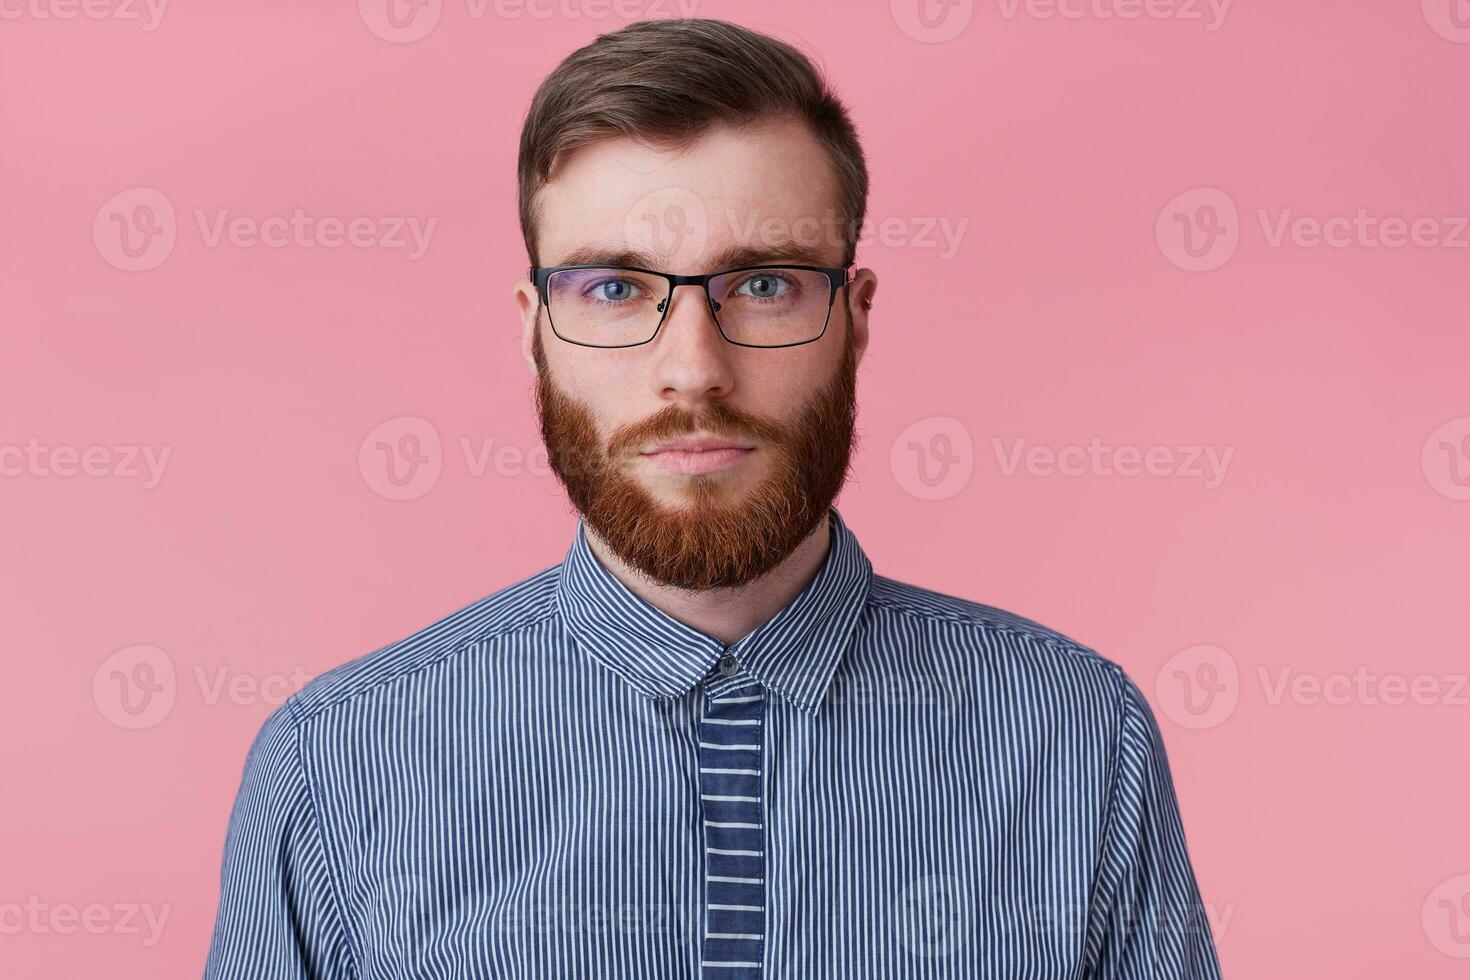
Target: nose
(691, 359)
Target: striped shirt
(561, 781)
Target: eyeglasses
(754, 306)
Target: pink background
(1326, 817)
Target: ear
(529, 304)
(860, 291)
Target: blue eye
(612, 290)
(764, 286)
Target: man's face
(758, 195)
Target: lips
(696, 444)
(697, 455)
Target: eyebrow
(731, 257)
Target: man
(711, 742)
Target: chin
(683, 493)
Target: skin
(744, 177)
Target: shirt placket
(731, 757)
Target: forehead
(767, 187)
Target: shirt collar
(794, 653)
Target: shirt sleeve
(1147, 920)
(279, 917)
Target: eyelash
(766, 274)
(591, 288)
(588, 294)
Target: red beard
(706, 544)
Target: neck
(728, 615)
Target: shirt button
(729, 666)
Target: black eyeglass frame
(836, 278)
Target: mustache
(717, 419)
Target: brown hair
(665, 83)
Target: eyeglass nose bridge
(676, 281)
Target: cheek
(613, 398)
(783, 390)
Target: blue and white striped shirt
(561, 781)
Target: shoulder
(996, 652)
(500, 615)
